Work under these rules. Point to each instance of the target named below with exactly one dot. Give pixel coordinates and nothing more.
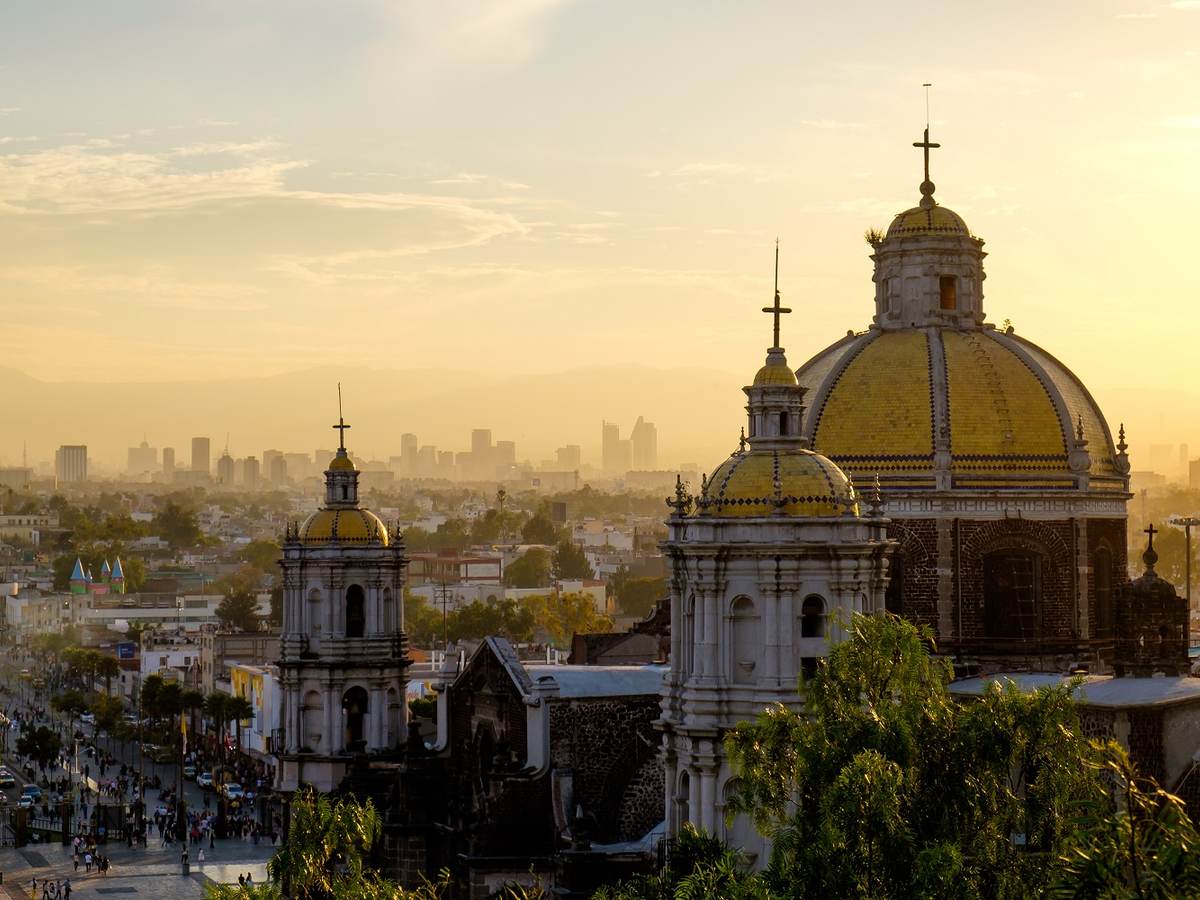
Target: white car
(232, 791)
(26, 802)
(88, 718)
(204, 779)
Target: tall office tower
(268, 461)
(568, 458)
(610, 438)
(505, 453)
(279, 473)
(225, 468)
(168, 460)
(445, 464)
(426, 461)
(1194, 474)
(70, 463)
(201, 460)
(481, 441)
(142, 459)
(408, 454)
(300, 464)
(643, 441)
(251, 473)
(319, 460)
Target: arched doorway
(356, 612)
(354, 719)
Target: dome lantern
(775, 406)
(928, 266)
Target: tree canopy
(529, 571)
(571, 562)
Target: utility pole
(1187, 522)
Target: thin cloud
(1182, 121)
(831, 124)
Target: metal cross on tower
(926, 145)
(341, 426)
(776, 310)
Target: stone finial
(681, 503)
(742, 441)
(876, 508)
(1122, 460)
(1150, 557)
(1079, 428)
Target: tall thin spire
(927, 186)
(341, 426)
(776, 310)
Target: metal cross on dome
(776, 310)
(341, 426)
(1152, 531)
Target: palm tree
(238, 709)
(190, 701)
(107, 668)
(214, 709)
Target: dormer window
(948, 292)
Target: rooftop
(1096, 690)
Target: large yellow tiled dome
(1006, 411)
(792, 482)
(931, 220)
(348, 526)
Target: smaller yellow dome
(934, 220)
(343, 526)
(775, 375)
(796, 482)
(341, 463)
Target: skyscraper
(225, 469)
(71, 463)
(408, 454)
(142, 459)
(250, 473)
(201, 460)
(616, 455)
(168, 460)
(568, 458)
(644, 443)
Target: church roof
(1009, 412)
(343, 526)
(929, 220)
(791, 481)
(1096, 690)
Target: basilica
(932, 465)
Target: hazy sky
(201, 189)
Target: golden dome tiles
(353, 526)
(777, 482)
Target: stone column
(712, 620)
(332, 740)
(769, 605)
(377, 710)
(677, 674)
(707, 817)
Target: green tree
(216, 710)
(107, 668)
(72, 704)
(239, 710)
(190, 701)
(887, 787)
(529, 571)
(263, 555)
(561, 617)
(422, 623)
(637, 596)
(40, 744)
(327, 848)
(571, 562)
(177, 525)
(239, 608)
(538, 529)
(453, 534)
(148, 697)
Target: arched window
(354, 718)
(356, 613)
(1102, 579)
(948, 292)
(345, 492)
(812, 617)
(683, 798)
(747, 641)
(1012, 594)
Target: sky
(204, 190)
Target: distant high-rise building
(142, 459)
(610, 438)
(15, 477)
(505, 453)
(643, 441)
(408, 454)
(321, 459)
(1194, 474)
(568, 458)
(481, 441)
(299, 465)
(201, 459)
(279, 470)
(251, 473)
(71, 463)
(445, 464)
(168, 460)
(225, 467)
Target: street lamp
(1186, 522)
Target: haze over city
(504, 215)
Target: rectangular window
(948, 288)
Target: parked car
(7, 779)
(87, 718)
(189, 772)
(163, 754)
(232, 791)
(26, 802)
(204, 779)
(33, 791)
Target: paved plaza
(151, 872)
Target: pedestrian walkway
(151, 872)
